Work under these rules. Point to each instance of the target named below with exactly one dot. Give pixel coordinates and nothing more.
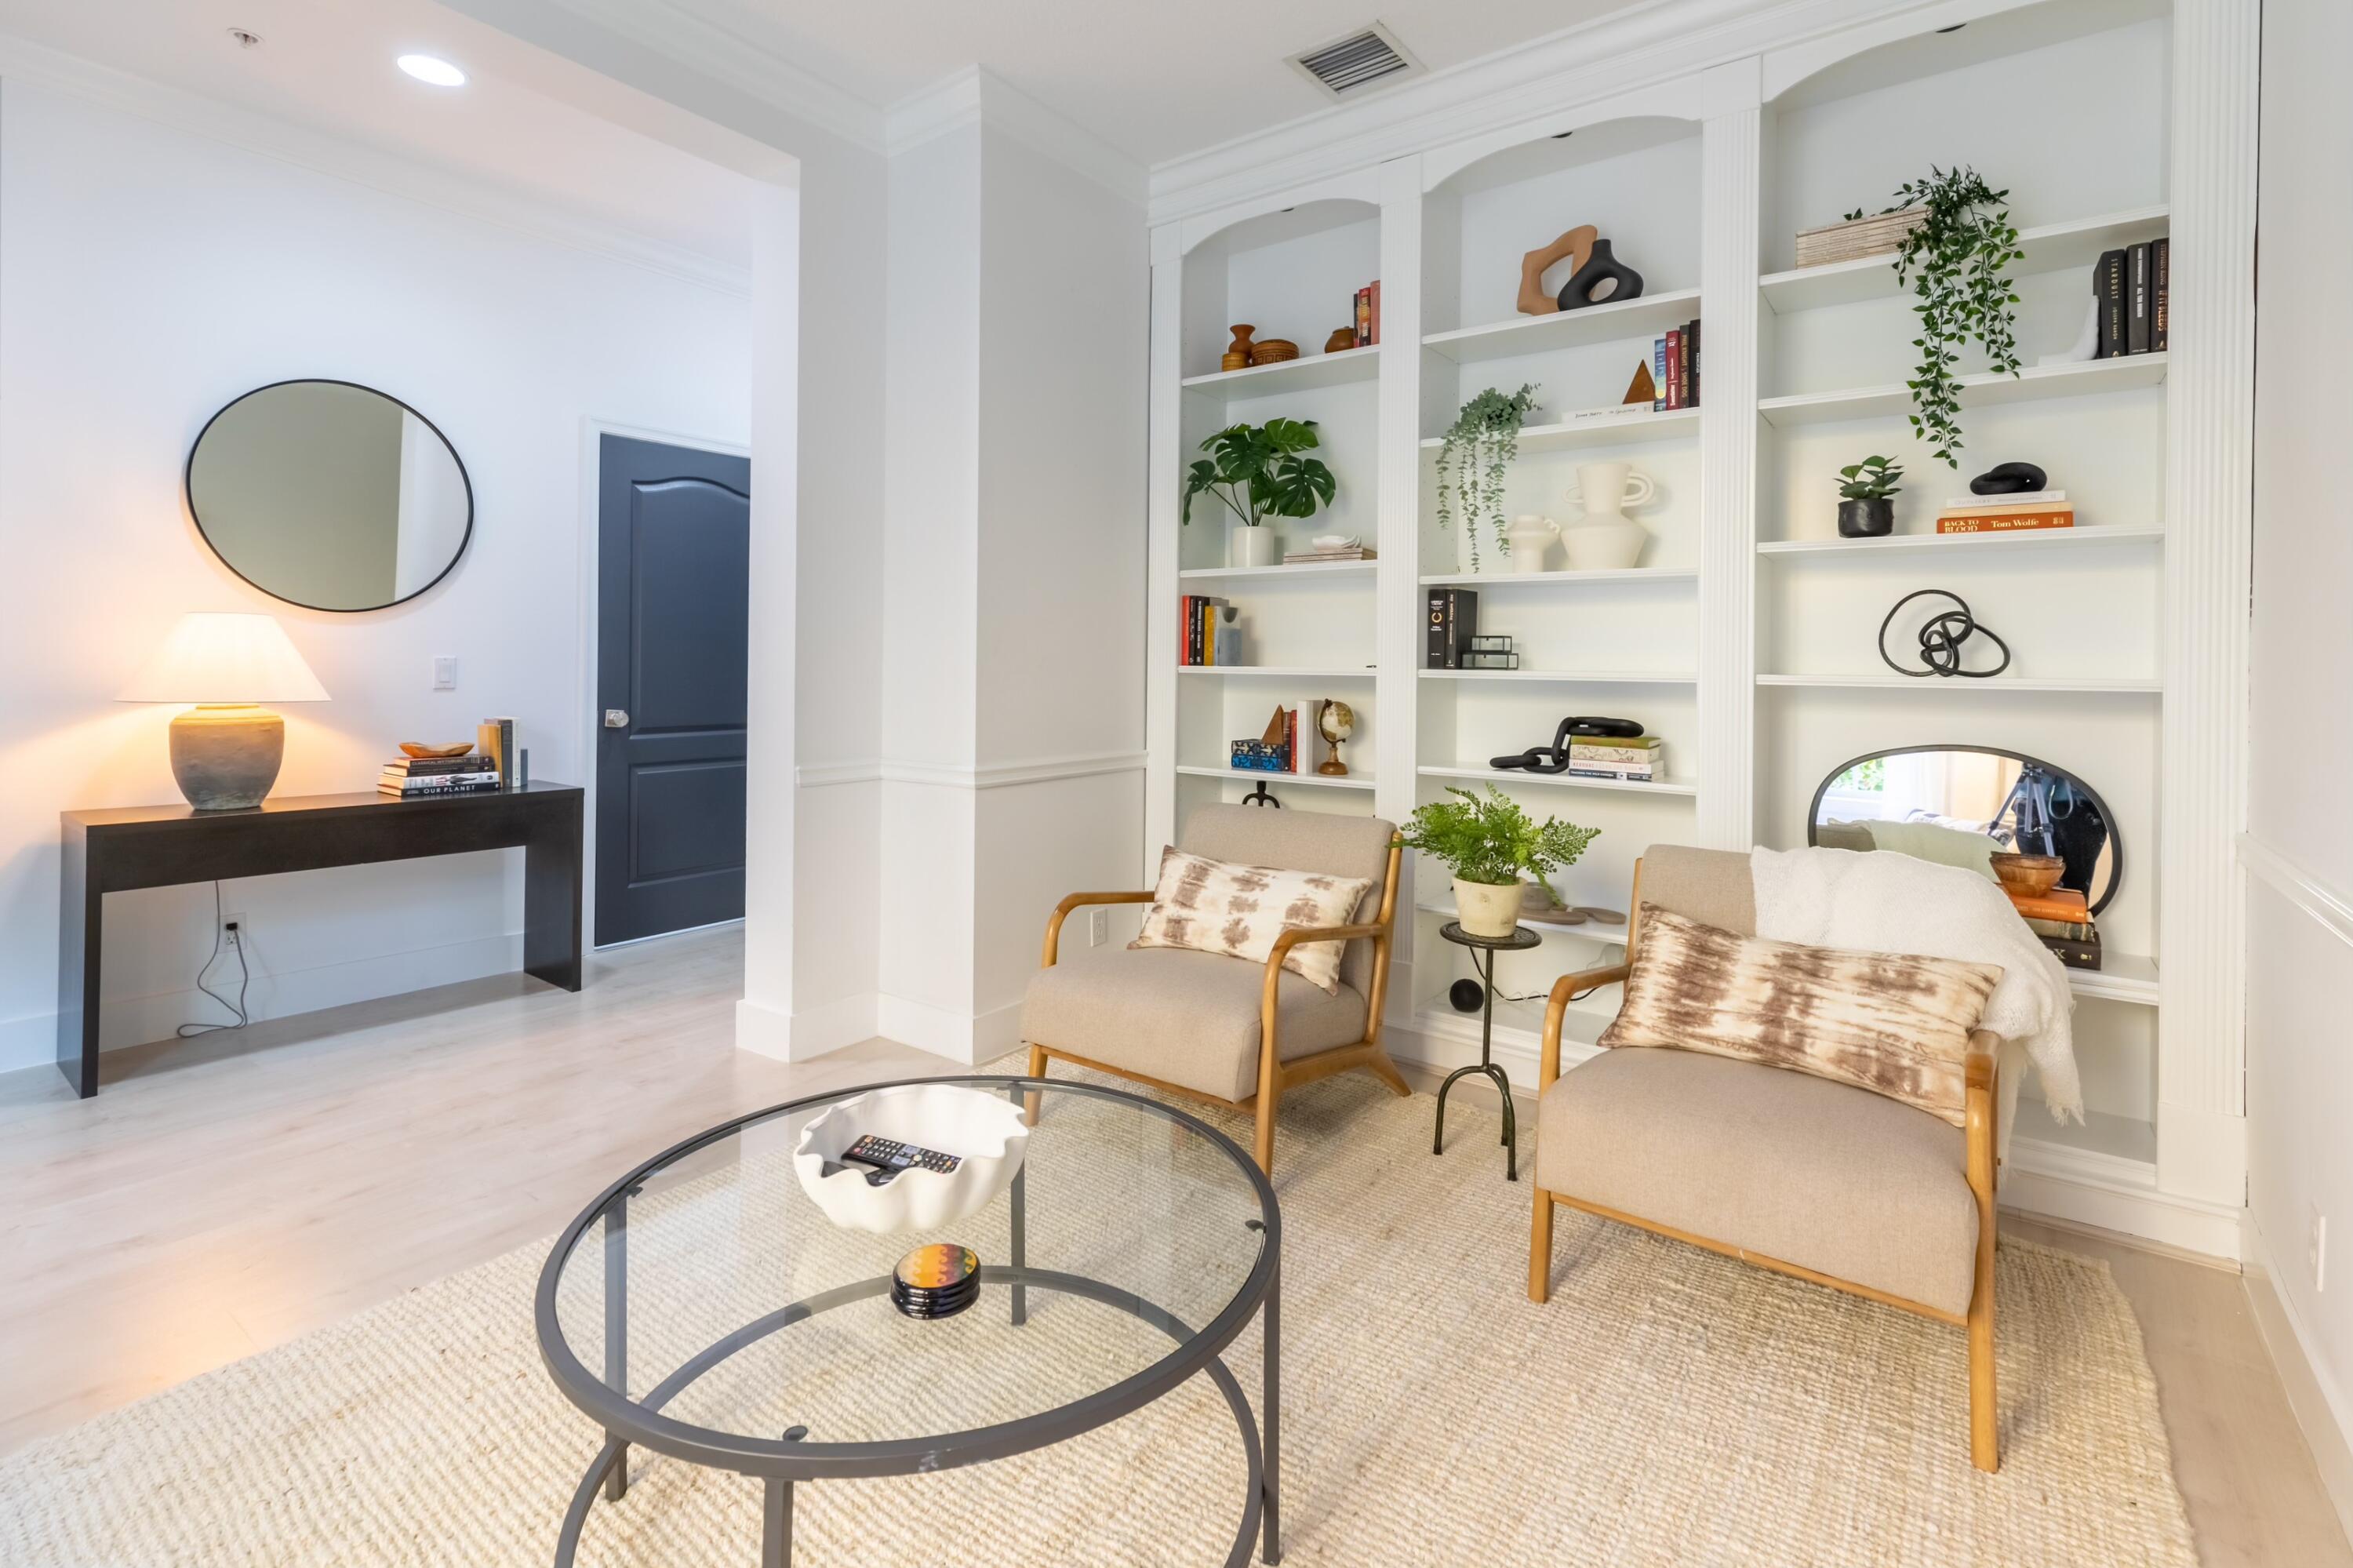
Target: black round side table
(1482, 959)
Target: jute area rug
(1668, 1407)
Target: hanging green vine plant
(1471, 458)
(1954, 261)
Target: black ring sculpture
(641, 1423)
(1941, 638)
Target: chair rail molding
(969, 776)
(2292, 882)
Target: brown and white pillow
(1891, 1022)
(1214, 906)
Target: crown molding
(670, 30)
(387, 173)
(976, 96)
(1610, 57)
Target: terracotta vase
(1238, 353)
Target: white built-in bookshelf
(1746, 634)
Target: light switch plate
(445, 672)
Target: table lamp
(225, 750)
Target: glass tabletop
(708, 1305)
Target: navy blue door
(673, 625)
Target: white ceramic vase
(1531, 536)
(1256, 547)
(1486, 909)
(1605, 538)
(985, 1132)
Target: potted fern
(1867, 491)
(1257, 472)
(1491, 845)
(1472, 459)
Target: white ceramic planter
(1256, 547)
(1485, 910)
(985, 1131)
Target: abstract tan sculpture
(1575, 246)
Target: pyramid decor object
(1641, 390)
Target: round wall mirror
(329, 495)
(1958, 804)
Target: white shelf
(2122, 977)
(1894, 683)
(1564, 579)
(2083, 378)
(1303, 569)
(2104, 1146)
(1569, 677)
(1645, 317)
(2038, 538)
(2051, 247)
(1290, 376)
(1618, 427)
(1252, 775)
(1286, 671)
(1562, 780)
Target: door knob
(616, 718)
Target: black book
(433, 791)
(422, 767)
(1453, 618)
(2161, 273)
(1691, 365)
(2108, 288)
(2136, 299)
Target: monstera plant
(1257, 472)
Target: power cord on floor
(222, 935)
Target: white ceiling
(327, 66)
(1155, 78)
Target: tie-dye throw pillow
(1239, 910)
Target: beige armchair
(1831, 1183)
(1219, 1029)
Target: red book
(1363, 317)
(1291, 733)
(1375, 310)
(1675, 367)
(1184, 630)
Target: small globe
(1336, 723)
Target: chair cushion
(1185, 1018)
(1216, 907)
(1711, 887)
(1299, 840)
(1838, 1180)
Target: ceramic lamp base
(225, 755)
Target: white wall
(146, 276)
(2299, 1048)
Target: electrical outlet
(1098, 926)
(2319, 1249)
(445, 672)
(232, 931)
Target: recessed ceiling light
(432, 70)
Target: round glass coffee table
(705, 1309)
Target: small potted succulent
(1257, 472)
(1491, 845)
(1866, 510)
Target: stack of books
(2132, 288)
(1346, 553)
(2013, 514)
(427, 777)
(1364, 312)
(2063, 920)
(1674, 369)
(1204, 632)
(1451, 624)
(1641, 760)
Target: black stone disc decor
(1941, 638)
(2008, 479)
(1601, 267)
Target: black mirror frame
(2116, 834)
(188, 492)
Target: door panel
(672, 636)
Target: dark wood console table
(162, 846)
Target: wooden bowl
(2029, 875)
(419, 749)
(1274, 351)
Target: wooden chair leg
(1985, 1438)
(1036, 1070)
(1540, 1250)
(1386, 1071)
(1264, 1150)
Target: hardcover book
(2007, 522)
(2160, 313)
(1452, 619)
(2108, 288)
(2136, 299)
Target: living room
(673, 657)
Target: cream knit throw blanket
(1883, 903)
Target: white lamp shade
(214, 657)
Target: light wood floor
(225, 1194)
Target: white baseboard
(937, 1030)
(781, 1036)
(32, 1041)
(2320, 1406)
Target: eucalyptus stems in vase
(1472, 459)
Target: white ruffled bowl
(985, 1131)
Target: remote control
(890, 1157)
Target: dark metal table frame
(1482, 959)
(781, 1462)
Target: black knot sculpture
(1941, 637)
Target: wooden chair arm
(1982, 1110)
(1062, 912)
(1284, 943)
(1548, 1065)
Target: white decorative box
(985, 1132)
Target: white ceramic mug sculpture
(1531, 536)
(1605, 538)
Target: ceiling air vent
(1351, 64)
